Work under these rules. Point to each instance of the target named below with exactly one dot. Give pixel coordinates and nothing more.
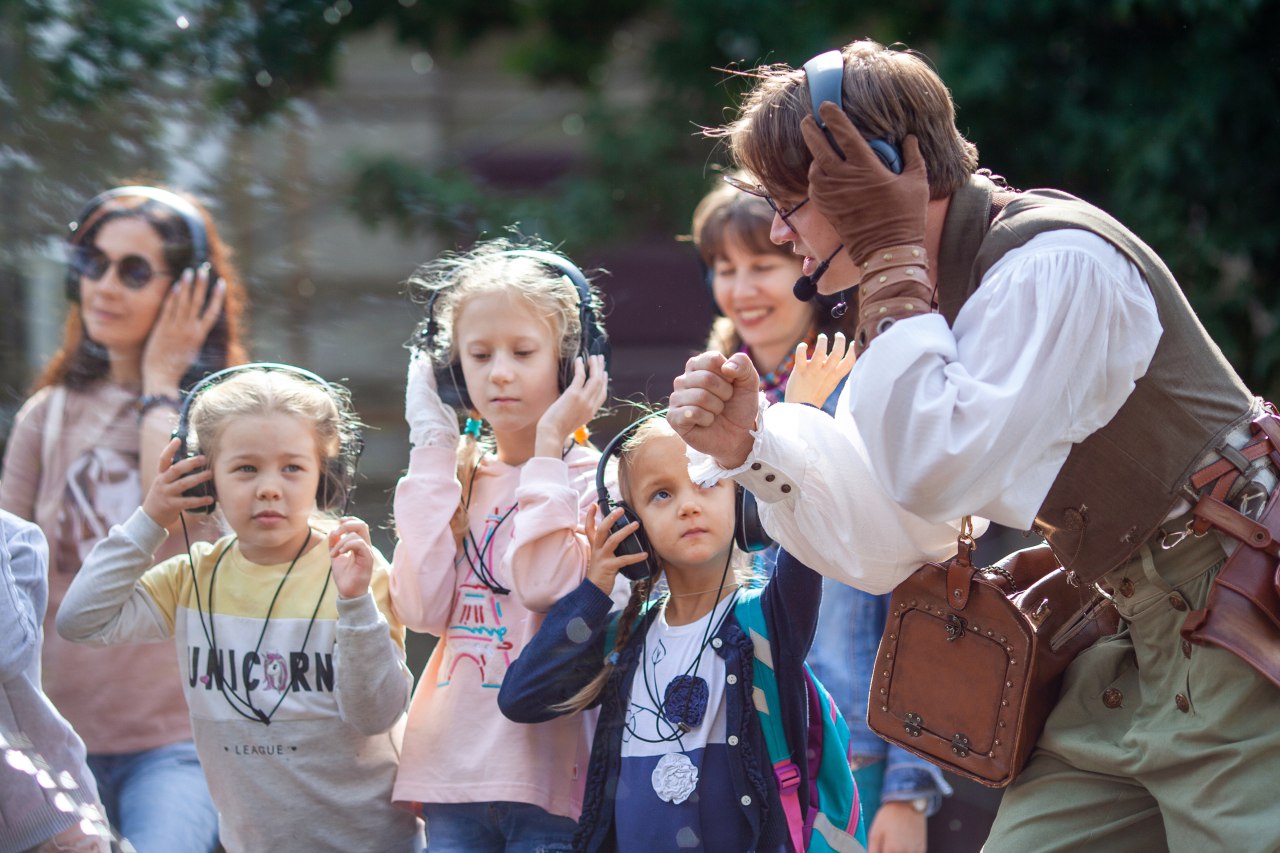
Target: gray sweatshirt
(298, 714)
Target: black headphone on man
(824, 75)
(93, 212)
(337, 480)
(450, 383)
(748, 533)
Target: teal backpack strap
(764, 693)
(834, 820)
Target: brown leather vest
(1119, 483)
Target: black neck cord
(707, 633)
(210, 629)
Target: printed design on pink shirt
(102, 488)
(476, 632)
(478, 635)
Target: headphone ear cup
(452, 386)
(199, 490)
(748, 533)
(636, 543)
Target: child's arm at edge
(563, 657)
(105, 604)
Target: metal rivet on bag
(1012, 662)
(997, 742)
(955, 593)
(1004, 703)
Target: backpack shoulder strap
(764, 693)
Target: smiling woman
(751, 281)
(144, 323)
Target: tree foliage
(1162, 111)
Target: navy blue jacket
(568, 652)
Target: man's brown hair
(887, 93)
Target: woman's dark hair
(80, 361)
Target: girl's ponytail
(583, 699)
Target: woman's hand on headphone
(813, 379)
(180, 330)
(351, 556)
(577, 405)
(431, 422)
(165, 500)
(604, 565)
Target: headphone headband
(179, 205)
(593, 338)
(825, 77)
(333, 495)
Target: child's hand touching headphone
(577, 405)
(604, 565)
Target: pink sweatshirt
(458, 748)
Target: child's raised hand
(577, 405)
(604, 565)
(165, 500)
(813, 379)
(351, 555)
(431, 422)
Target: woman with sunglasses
(147, 319)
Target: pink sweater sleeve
(549, 550)
(423, 570)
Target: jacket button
(1186, 648)
(1112, 698)
(732, 740)
(785, 487)
(1183, 704)
(717, 643)
(755, 466)
(769, 478)
(1126, 587)
(746, 800)
(732, 679)
(1176, 601)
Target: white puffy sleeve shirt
(939, 422)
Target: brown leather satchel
(972, 659)
(1242, 611)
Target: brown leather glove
(869, 206)
(895, 286)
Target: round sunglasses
(135, 272)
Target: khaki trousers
(1155, 744)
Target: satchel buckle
(912, 724)
(960, 745)
(955, 627)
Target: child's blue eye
(245, 469)
(292, 469)
(524, 353)
(659, 495)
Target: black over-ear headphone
(825, 76)
(748, 533)
(337, 480)
(92, 212)
(450, 383)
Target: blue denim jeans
(158, 799)
(496, 828)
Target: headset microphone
(806, 286)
